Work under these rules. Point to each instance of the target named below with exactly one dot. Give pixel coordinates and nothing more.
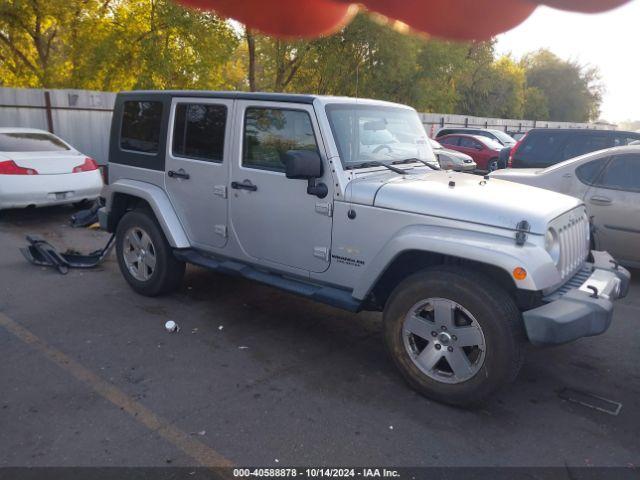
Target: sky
(607, 40)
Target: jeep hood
(471, 198)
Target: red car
(484, 151)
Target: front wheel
(455, 336)
(144, 255)
(492, 165)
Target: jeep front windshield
(374, 133)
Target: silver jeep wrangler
(341, 200)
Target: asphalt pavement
(90, 377)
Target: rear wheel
(492, 165)
(145, 257)
(455, 336)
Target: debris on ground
(40, 252)
(194, 331)
(171, 327)
(220, 327)
(201, 433)
(590, 400)
(242, 347)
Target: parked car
(484, 151)
(451, 159)
(37, 169)
(496, 135)
(608, 181)
(274, 188)
(543, 147)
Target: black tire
(168, 272)
(493, 309)
(492, 165)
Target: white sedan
(608, 181)
(37, 169)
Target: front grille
(573, 235)
(574, 282)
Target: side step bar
(335, 297)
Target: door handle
(246, 185)
(179, 174)
(598, 200)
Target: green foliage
(112, 45)
(494, 88)
(536, 104)
(573, 91)
(155, 44)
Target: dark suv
(543, 147)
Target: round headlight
(552, 245)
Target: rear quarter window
(141, 124)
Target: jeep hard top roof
(260, 96)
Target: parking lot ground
(90, 377)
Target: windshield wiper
(413, 160)
(376, 164)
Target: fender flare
(486, 248)
(159, 203)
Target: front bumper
(582, 309)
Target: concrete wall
(83, 117)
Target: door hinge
(220, 190)
(221, 230)
(324, 208)
(321, 252)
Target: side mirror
(302, 164)
(305, 165)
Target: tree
(41, 41)
(573, 91)
(536, 105)
(112, 44)
(493, 88)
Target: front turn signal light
(519, 273)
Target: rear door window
(449, 141)
(622, 173)
(30, 142)
(141, 124)
(580, 144)
(467, 142)
(199, 130)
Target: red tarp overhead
(452, 19)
